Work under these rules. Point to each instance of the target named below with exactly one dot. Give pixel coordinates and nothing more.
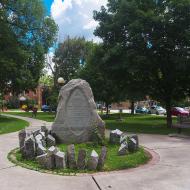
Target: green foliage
(160, 70)
(70, 57)
(103, 85)
(13, 103)
(52, 99)
(25, 36)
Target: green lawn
(139, 123)
(45, 116)
(150, 124)
(8, 124)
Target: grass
(8, 124)
(113, 161)
(139, 123)
(45, 116)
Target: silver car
(157, 110)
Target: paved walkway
(172, 172)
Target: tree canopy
(26, 34)
(150, 42)
(70, 57)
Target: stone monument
(76, 114)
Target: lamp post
(61, 81)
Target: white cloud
(75, 17)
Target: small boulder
(51, 157)
(45, 130)
(50, 141)
(42, 160)
(60, 160)
(136, 138)
(115, 136)
(93, 160)
(21, 136)
(81, 161)
(102, 158)
(29, 148)
(36, 132)
(71, 156)
(123, 149)
(132, 145)
(40, 150)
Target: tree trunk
(132, 107)
(169, 114)
(107, 109)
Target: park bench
(183, 122)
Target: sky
(74, 17)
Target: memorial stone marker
(76, 114)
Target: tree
(103, 87)
(153, 37)
(25, 36)
(70, 56)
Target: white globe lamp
(61, 81)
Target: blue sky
(74, 17)
(48, 4)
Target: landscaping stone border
(154, 159)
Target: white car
(157, 110)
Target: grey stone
(60, 160)
(102, 158)
(81, 161)
(36, 132)
(50, 140)
(136, 138)
(42, 160)
(115, 136)
(29, 148)
(123, 149)
(22, 136)
(132, 145)
(51, 157)
(93, 161)
(45, 130)
(71, 156)
(76, 114)
(40, 150)
(123, 139)
(39, 139)
(52, 150)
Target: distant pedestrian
(34, 111)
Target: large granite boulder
(76, 114)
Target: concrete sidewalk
(172, 172)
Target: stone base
(65, 135)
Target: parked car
(141, 110)
(177, 111)
(157, 110)
(46, 108)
